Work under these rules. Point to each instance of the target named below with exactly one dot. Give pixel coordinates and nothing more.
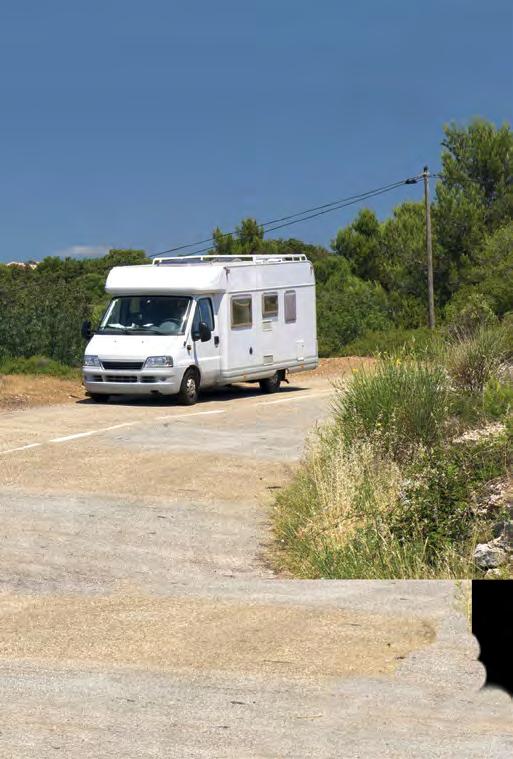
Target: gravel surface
(139, 616)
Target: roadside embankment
(410, 477)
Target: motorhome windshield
(152, 314)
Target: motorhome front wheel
(188, 394)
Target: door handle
(216, 340)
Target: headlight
(155, 361)
(91, 361)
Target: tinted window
(241, 311)
(269, 305)
(204, 313)
(290, 306)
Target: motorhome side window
(204, 313)
(290, 306)
(241, 311)
(269, 305)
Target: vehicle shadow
(227, 393)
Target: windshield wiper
(109, 330)
(129, 330)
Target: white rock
(488, 557)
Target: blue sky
(131, 124)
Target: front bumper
(164, 381)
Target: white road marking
(91, 432)
(117, 426)
(77, 435)
(21, 448)
(73, 437)
(195, 413)
(88, 433)
(294, 398)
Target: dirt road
(140, 617)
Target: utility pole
(429, 250)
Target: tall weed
(472, 361)
(405, 401)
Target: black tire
(271, 384)
(99, 397)
(189, 389)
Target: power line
(355, 198)
(324, 208)
(313, 215)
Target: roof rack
(255, 259)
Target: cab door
(207, 354)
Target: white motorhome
(179, 324)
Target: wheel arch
(195, 368)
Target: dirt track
(139, 616)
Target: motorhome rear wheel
(271, 384)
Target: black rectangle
(124, 378)
(133, 366)
(492, 625)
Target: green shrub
(441, 486)
(404, 402)
(497, 398)
(472, 361)
(346, 305)
(351, 512)
(421, 343)
(36, 365)
(468, 312)
(466, 411)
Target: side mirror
(202, 332)
(86, 330)
(205, 333)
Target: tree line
(372, 277)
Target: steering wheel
(170, 321)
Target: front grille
(121, 378)
(133, 366)
(146, 378)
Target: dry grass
(334, 368)
(472, 361)
(352, 486)
(25, 390)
